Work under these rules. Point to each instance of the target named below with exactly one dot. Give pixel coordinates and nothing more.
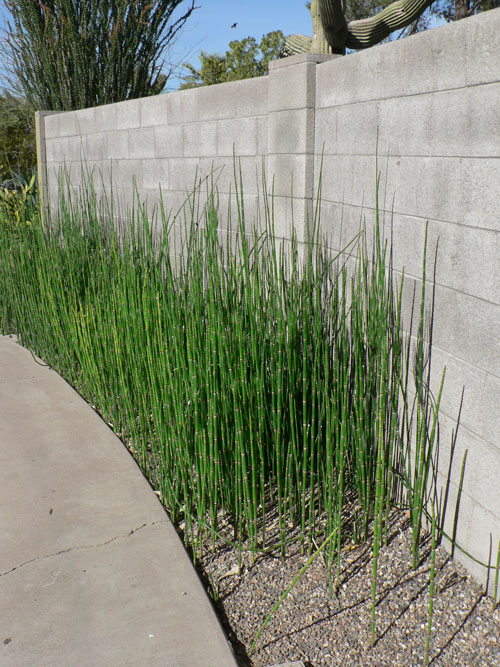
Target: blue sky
(209, 28)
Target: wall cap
(302, 58)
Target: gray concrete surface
(92, 572)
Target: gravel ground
(319, 626)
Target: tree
(244, 59)
(17, 137)
(454, 10)
(70, 54)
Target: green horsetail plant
(248, 378)
(497, 572)
(457, 504)
(432, 584)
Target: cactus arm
(333, 24)
(368, 32)
(320, 43)
(364, 33)
(295, 44)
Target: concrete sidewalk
(92, 572)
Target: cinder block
(483, 523)
(482, 464)
(466, 122)
(182, 106)
(480, 412)
(468, 259)
(153, 111)
(125, 203)
(468, 328)
(54, 173)
(52, 196)
(124, 173)
(128, 114)
(169, 141)
(52, 149)
(475, 523)
(251, 96)
(176, 203)
(238, 135)
(292, 87)
(67, 123)
(481, 47)
(77, 173)
(262, 135)
(108, 169)
(290, 175)
(357, 126)
(339, 224)
(282, 208)
(141, 143)
(248, 175)
(94, 146)
(183, 173)
(254, 212)
(447, 189)
(368, 68)
(406, 236)
(72, 148)
(85, 121)
(325, 131)
(200, 139)
(59, 149)
(51, 125)
(105, 118)
(155, 174)
(218, 101)
(397, 129)
(291, 131)
(291, 213)
(117, 145)
(217, 172)
(349, 179)
(434, 60)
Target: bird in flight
(234, 25)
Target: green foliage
(260, 383)
(17, 203)
(17, 137)
(68, 54)
(454, 10)
(244, 59)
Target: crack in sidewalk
(84, 546)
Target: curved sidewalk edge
(92, 572)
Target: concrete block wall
(168, 141)
(432, 103)
(424, 112)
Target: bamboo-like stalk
(245, 380)
(432, 585)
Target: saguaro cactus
(332, 33)
(365, 32)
